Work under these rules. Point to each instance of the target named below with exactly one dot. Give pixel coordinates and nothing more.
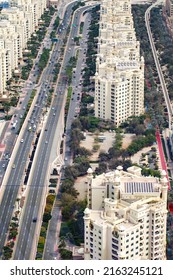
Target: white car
(21, 140)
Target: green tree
(46, 217)
(66, 254)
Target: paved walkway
(161, 154)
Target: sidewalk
(161, 154)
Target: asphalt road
(50, 252)
(38, 183)
(21, 158)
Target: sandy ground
(81, 187)
(127, 139)
(107, 143)
(103, 146)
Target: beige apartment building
(5, 68)
(16, 18)
(126, 216)
(17, 23)
(119, 77)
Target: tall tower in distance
(119, 77)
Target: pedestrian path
(161, 154)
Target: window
(114, 258)
(114, 252)
(115, 247)
(115, 240)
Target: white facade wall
(119, 77)
(132, 223)
(5, 67)
(17, 18)
(16, 26)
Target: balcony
(114, 246)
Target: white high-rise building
(11, 40)
(5, 68)
(126, 216)
(17, 18)
(17, 23)
(119, 77)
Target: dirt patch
(99, 142)
(127, 140)
(81, 187)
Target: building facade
(126, 216)
(17, 22)
(119, 77)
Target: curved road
(159, 70)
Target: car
(46, 142)
(21, 116)
(21, 140)
(34, 219)
(13, 166)
(53, 114)
(51, 191)
(3, 165)
(45, 129)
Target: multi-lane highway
(52, 238)
(18, 161)
(29, 229)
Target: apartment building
(11, 40)
(17, 23)
(126, 216)
(119, 77)
(16, 18)
(5, 68)
(169, 7)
